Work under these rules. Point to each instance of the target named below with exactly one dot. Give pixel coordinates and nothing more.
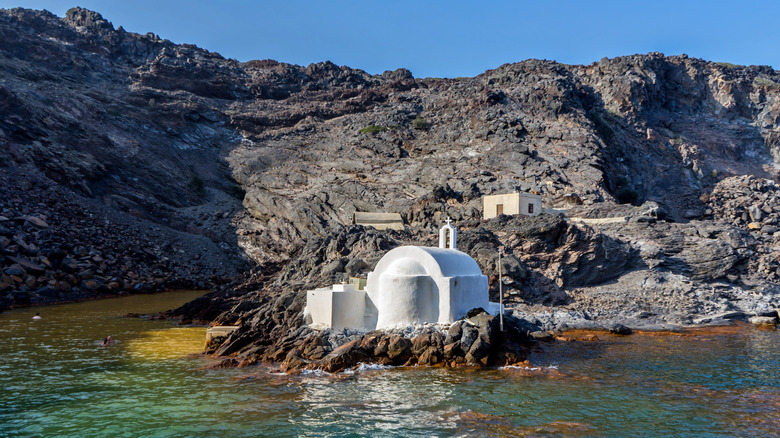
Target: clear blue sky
(450, 38)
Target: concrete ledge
(219, 331)
(606, 220)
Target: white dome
(437, 262)
(405, 266)
(415, 284)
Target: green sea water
(57, 380)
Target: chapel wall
(349, 308)
(319, 306)
(466, 293)
(406, 299)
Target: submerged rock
(620, 329)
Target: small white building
(410, 285)
(337, 307)
(511, 203)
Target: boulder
(769, 229)
(399, 349)
(28, 266)
(479, 351)
(454, 333)
(620, 329)
(15, 270)
(38, 222)
(469, 336)
(69, 264)
(762, 320)
(541, 335)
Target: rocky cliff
(216, 167)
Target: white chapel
(410, 285)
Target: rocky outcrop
(473, 341)
(55, 249)
(270, 314)
(753, 206)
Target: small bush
(624, 192)
(197, 185)
(626, 195)
(419, 123)
(237, 191)
(766, 82)
(372, 129)
(603, 129)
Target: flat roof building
(380, 221)
(510, 204)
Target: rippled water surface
(56, 380)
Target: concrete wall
(319, 307)
(349, 308)
(406, 299)
(380, 221)
(527, 199)
(510, 202)
(341, 306)
(513, 203)
(466, 292)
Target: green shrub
(372, 129)
(197, 185)
(766, 82)
(603, 129)
(626, 195)
(237, 191)
(624, 192)
(419, 123)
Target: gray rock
(762, 320)
(468, 337)
(454, 332)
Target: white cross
(448, 220)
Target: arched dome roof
(435, 262)
(406, 266)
